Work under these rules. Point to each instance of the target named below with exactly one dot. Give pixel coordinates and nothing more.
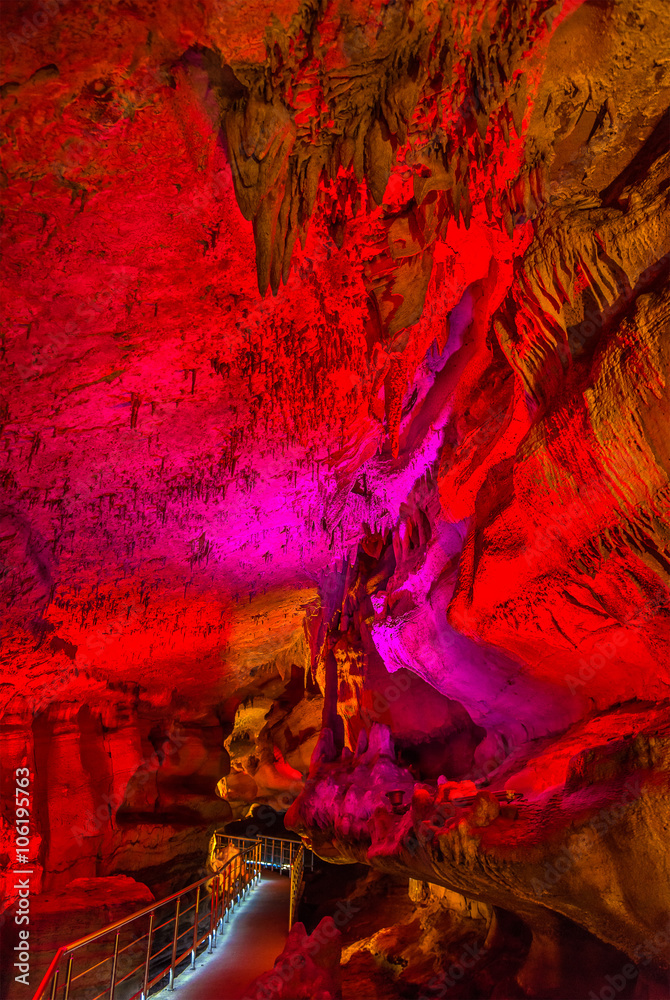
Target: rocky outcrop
(307, 969)
(584, 826)
(115, 791)
(396, 942)
(83, 907)
(334, 376)
(271, 744)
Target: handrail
(254, 840)
(269, 851)
(223, 892)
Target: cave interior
(335, 479)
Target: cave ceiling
(336, 347)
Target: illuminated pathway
(247, 947)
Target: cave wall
(334, 376)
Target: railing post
(214, 899)
(68, 978)
(54, 985)
(145, 984)
(174, 945)
(112, 984)
(195, 927)
(231, 884)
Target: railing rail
(225, 887)
(297, 870)
(276, 852)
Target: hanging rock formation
(334, 459)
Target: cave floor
(248, 946)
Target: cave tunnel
(334, 496)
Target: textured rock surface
(335, 375)
(271, 745)
(415, 937)
(307, 969)
(82, 907)
(591, 825)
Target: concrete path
(248, 946)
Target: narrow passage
(248, 946)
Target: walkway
(248, 946)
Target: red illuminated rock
(334, 376)
(81, 908)
(307, 969)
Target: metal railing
(220, 893)
(297, 869)
(276, 852)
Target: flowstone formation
(335, 436)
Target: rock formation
(335, 452)
(307, 969)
